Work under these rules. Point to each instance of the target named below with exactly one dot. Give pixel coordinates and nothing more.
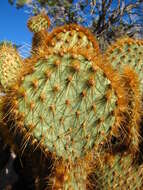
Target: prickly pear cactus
(135, 108)
(10, 66)
(119, 172)
(38, 23)
(127, 51)
(126, 55)
(69, 100)
(66, 102)
(66, 105)
(72, 36)
(61, 38)
(72, 175)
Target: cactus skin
(10, 66)
(72, 36)
(135, 108)
(38, 23)
(129, 135)
(119, 172)
(127, 51)
(126, 55)
(72, 175)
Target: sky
(13, 24)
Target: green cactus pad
(119, 172)
(72, 36)
(72, 176)
(38, 23)
(10, 66)
(127, 51)
(67, 104)
(126, 55)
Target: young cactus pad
(38, 23)
(67, 104)
(10, 65)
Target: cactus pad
(126, 55)
(72, 36)
(127, 51)
(38, 23)
(68, 104)
(72, 176)
(119, 172)
(10, 65)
